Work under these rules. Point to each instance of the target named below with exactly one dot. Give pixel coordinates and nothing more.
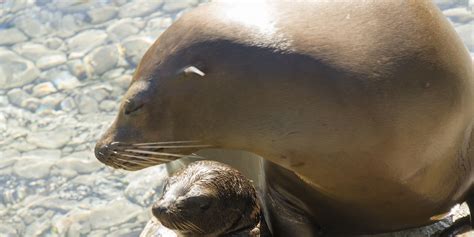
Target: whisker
(145, 157)
(171, 146)
(155, 153)
(162, 143)
(194, 227)
(154, 159)
(141, 162)
(120, 166)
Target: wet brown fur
(230, 200)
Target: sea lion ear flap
(191, 72)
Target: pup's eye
(201, 202)
(132, 106)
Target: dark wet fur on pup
(209, 198)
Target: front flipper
(284, 210)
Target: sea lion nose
(158, 210)
(101, 152)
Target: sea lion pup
(209, 199)
(362, 110)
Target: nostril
(100, 152)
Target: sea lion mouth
(135, 156)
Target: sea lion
(362, 110)
(209, 198)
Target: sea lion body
(211, 199)
(362, 110)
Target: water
(64, 65)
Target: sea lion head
(207, 199)
(191, 90)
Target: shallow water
(64, 65)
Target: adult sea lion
(362, 110)
(209, 198)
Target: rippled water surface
(64, 65)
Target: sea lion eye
(132, 106)
(201, 202)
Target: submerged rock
(103, 59)
(53, 139)
(139, 8)
(51, 61)
(175, 6)
(33, 168)
(31, 26)
(85, 41)
(15, 71)
(122, 29)
(102, 14)
(135, 48)
(11, 36)
(65, 81)
(87, 104)
(43, 89)
(145, 186)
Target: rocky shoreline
(64, 66)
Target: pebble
(108, 105)
(83, 42)
(102, 59)
(33, 51)
(3, 101)
(39, 227)
(15, 71)
(135, 48)
(467, 34)
(444, 4)
(156, 26)
(49, 61)
(32, 168)
(102, 14)
(11, 36)
(63, 172)
(77, 68)
(54, 43)
(65, 81)
(86, 104)
(8, 230)
(99, 93)
(54, 154)
(68, 25)
(145, 187)
(68, 104)
(123, 81)
(102, 217)
(72, 6)
(459, 15)
(31, 26)
(53, 139)
(114, 73)
(50, 103)
(17, 97)
(139, 8)
(122, 28)
(81, 166)
(82, 155)
(43, 89)
(173, 6)
(15, 6)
